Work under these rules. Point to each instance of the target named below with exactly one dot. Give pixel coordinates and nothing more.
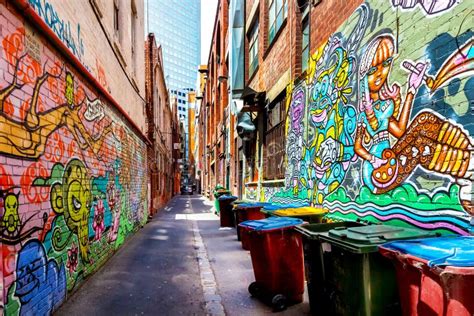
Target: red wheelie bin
(435, 276)
(245, 212)
(277, 259)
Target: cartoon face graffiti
(330, 86)
(72, 198)
(40, 284)
(381, 65)
(11, 221)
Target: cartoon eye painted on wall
(75, 202)
(387, 62)
(372, 70)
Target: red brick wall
(326, 17)
(73, 172)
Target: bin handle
(433, 262)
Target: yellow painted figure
(28, 138)
(11, 220)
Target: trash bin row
(347, 266)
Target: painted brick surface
(381, 128)
(73, 182)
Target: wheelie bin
(355, 278)
(435, 275)
(277, 260)
(218, 192)
(307, 213)
(226, 214)
(314, 262)
(245, 212)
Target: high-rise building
(177, 28)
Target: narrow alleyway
(158, 271)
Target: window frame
(116, 18)
(275, 134)
(276, 17)
(253, 48)
(305, 26)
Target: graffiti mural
(73, 183)
(381, 132)
(431, 7)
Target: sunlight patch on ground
(197, 217)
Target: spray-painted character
(72, 198)
(429, 140)
(11, 220)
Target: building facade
(357, 107)
(177, 28)
(214, 106)
(160, 122)
(74, 171)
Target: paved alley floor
(180, 263)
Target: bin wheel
(255, 289)
(279, 303)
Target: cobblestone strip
(208, 281)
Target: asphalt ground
(181, 263)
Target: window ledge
(277, 181)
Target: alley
(158, 271)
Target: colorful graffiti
(371, 132)
(73, 182)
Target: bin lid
(271, 223)
(275, 207)
(366, 238)
(227, 197)
(301, 211)
(252, 204)
(313, 231)
(440, 251)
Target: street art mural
(73, 181)
(380, 129)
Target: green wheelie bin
(347, 275)
(218, 192)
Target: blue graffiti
(60, 27)
(40, 283)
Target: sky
(208, 14)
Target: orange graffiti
(34, 194)
(14, 47)
(6, 181)
(54, 148)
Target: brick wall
(326, 17)
(73, 170)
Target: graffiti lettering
(60, 27)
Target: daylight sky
(208, 14)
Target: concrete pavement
(180, 263)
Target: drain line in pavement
(208, 281)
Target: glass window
(305, 45)
(274, 148)
(253, 49)
(276, 15)
(304, 9)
